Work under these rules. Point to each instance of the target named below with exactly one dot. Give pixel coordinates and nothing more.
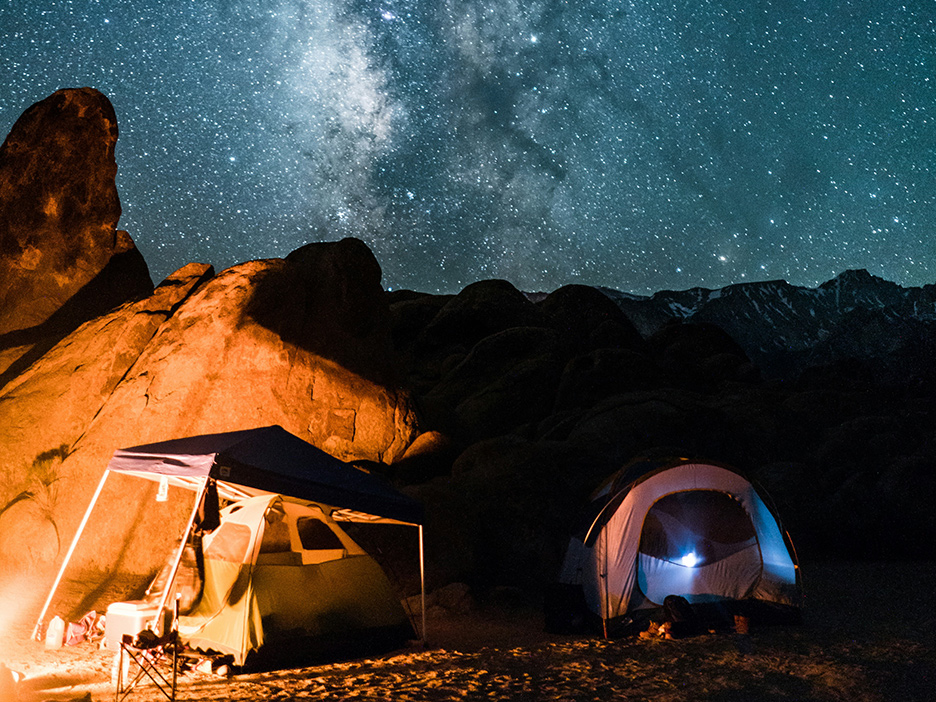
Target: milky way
(637, 145)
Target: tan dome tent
(276, 573)
(698, 530)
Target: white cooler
(127, 618)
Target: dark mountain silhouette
(786, 329)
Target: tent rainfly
(279, 539)
(679, 527)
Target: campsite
(499, 645)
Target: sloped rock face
(587, 320)
(53, 402)
(481, 309)
(62, 259)
(46, 409)
(246, 350)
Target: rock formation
(46, 409)
(255, 345)
(62, 259)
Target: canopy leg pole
(199, 496)
(71, 550)
(422, 585)
(605, 606)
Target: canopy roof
(268, 460)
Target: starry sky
(640, 145)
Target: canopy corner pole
(170, 581)
(606, 605)
(71, 551)
(422, 585)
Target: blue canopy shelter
(263, 462)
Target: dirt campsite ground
(869, 634)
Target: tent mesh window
(314, 535)
(696, 527)
(276, 532)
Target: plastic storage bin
(127, 618)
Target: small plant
(40, 488)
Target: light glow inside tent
(689, 560)
(676, 527)
(688, 538)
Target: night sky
(638, 145)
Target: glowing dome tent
(698, 530)
(278, 540)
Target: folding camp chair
(148, 655)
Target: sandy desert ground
(869, 634)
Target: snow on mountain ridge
(774, 319)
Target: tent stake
(71, 550)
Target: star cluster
(637, 145)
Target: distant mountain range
(785, 328)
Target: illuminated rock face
(268, 342)
(62, 259)
(48, 407)
(301, 342)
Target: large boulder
(46, 409)
(481, 309)
(295, 342)
(62, 259)
(478, 311)
(591, 377)
(587, 319)
(410, 314)
(52, 403)
(701, 355)
(504, 516)
(508, 378)
(300, 342)
(621, 427)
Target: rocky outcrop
(48, 408)
(62, 259)
(52, 403)
(250, 348)
(301, 342)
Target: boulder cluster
(531, 401)
(500, 410)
